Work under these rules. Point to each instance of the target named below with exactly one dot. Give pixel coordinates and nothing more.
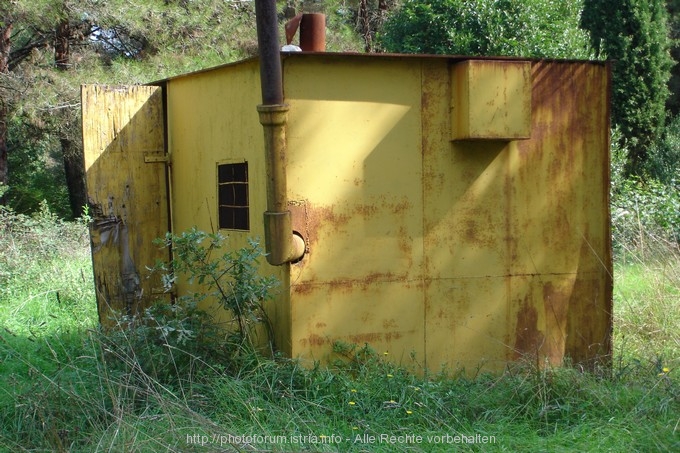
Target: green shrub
(30, 243)
(634, 34)
(173, 343)
(645, 218)
(663, 163)
(231, 279)
(536, 28)
(36, 171)
(168, 343)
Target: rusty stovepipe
(281, 244)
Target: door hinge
(151, 157)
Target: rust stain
(346, 285)
(402, 207)
(378, 277)
(528, 339)
(366, 210)
(405, 242)
(556, 303)
(314, 340)
(389, 324)
(362, 338)
(588, 342)
(321, 216)
(367, 317)
(374, 337)
(556, 309)
(338, 285)
(302, 289)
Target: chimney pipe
(282, 246)
(313, 32)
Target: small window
(232, 196)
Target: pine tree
(634, 33)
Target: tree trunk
(62, 51)
(5, 33)
(74, 167)
(365, 25)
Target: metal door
(125, 156)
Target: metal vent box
(491, 100)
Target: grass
(64, 387)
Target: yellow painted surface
(121, 127)
(491, 100)
(355, 165)
(516, 233)
(212, 119)
(461, 252)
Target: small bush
(663, 163)
(168, 343)
(175, 342)
(231, 279)
(645, 218)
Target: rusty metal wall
(461, 252)
(517, 233)
(447, 251)
(356, 184)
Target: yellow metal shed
(454, 208)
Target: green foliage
(231, 279)
(342, 26)
(663, 163)
(538, 28)
(111, 42)
(172, 30)
(527, 409)
(634, 33)
(36, 172)
(34, 246)
(46, 303)
(174, 342)
(647, 311)
(59, 390)
(169, 343)
(643, 209)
